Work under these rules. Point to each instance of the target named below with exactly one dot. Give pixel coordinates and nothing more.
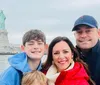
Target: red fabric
(75, 76)
(44, 71)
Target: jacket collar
(52, 73)
(93, 49)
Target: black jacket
(92, 58)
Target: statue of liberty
(2, 20)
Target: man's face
(86, 37)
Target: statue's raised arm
(2, 20)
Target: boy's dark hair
(33, 34)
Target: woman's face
(62, 55)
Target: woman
(63, 65)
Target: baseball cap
(85, 20)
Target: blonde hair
(34, 78)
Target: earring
(72, 56)
(72, 59)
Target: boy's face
(34, 49)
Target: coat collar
(52, 73)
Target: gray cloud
(53, 17)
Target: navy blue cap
(85, 20)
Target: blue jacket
(92, 58)
(19, 66)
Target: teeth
(36, 52)
(62, 62)
(85, 40)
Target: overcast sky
(53, 17)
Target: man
(88, 44)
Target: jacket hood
(19, 62)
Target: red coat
(75, 76)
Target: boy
(34, 46)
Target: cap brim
(87, 24)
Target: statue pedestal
(5, 47)
(4, 38)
